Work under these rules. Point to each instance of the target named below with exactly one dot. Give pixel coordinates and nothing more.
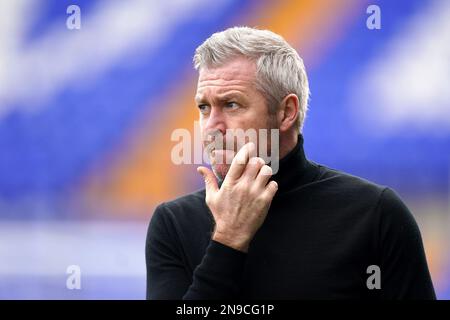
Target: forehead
(236, 74)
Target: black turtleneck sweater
(322, 232)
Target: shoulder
(385, 201)
(395, 216)
(187, 207)
(189, 201)
(349, 185)
(365, 194)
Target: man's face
(227, 99)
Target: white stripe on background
(47, 248)
(407, 86)
(31, 73)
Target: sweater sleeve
(218, 276)
(404, 269)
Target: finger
(210, 179)
(264, 176)
(253, 167)
(270, 190)
(240, 161)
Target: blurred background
(86, 118)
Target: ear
(288, 112)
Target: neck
(294, 169)
(290, 140)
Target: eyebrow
(222, 98)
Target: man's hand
(241, 204)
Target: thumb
(210, 179)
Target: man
(308, 231)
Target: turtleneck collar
(294, 169)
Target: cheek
(256, 120)
(201, 122)
(250, 118)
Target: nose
(215, 121)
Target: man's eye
(232, 105)
(203, 108)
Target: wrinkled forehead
(239, 68)
(237, 73)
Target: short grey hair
(279, 68)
